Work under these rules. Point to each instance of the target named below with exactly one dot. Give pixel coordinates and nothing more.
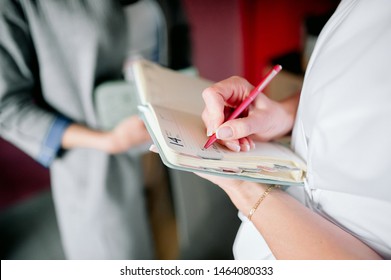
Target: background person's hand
(129, 133)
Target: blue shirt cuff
(52, 142)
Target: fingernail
(245, 147)
(233, 146)
(211, 129)
(224, 132)
(153, 148)
(252, 145)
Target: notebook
(170, 103)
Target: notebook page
(185, 135)
(167, 88)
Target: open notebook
(171, 106)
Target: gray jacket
(52, 56)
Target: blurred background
(216, 39)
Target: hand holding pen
(267, 119)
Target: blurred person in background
(53, 55)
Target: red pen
(248, 100)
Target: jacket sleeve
(29, 126)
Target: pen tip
(210, 141)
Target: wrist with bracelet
(260, 199)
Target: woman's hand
(265, 120)
(243, 194)
(129, 133)
(239, 191)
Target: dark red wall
(239, 37)
(20, 176)
(274, 27)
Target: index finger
(227, 93)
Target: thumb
(238, 128)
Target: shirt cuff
(52, 142)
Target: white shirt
(343, 128)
